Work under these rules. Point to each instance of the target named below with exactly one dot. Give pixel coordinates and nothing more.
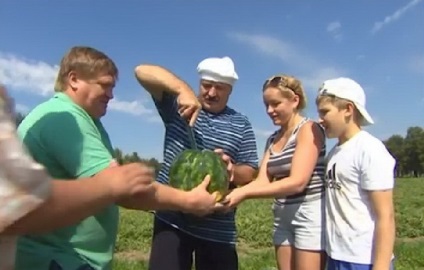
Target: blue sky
(378, 43)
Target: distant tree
(408, 151)
(19, 117)
(395, 145)
(414, 159)
(119, 156)
(122, 158)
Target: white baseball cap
(218, 70)
(348, 89)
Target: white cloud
(21, 108)
(416, 64)
(360, 57)
(38, 77)
(134, 107)
(334, 28)
(394, 17)
(262, 133)
(271, 46)
(312, 71)
(23, 74)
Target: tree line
(408, 152)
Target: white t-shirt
(24, 185)
(360, 164)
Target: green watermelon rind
(190, 167)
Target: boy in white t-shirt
(360, 223)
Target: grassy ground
(255, 223)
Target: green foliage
(122, 158)
(408, 151)
(254, 222)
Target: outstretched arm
(309, 143)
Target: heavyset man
(66, 136)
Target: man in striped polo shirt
(216, 126)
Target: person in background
(359, 179)
(65, 135)
(216, 127)
(292, 171)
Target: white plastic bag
(24, 184)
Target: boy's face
(332, 118)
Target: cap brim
(367, 119)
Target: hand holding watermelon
(227, 160)
(200, 201)
(191, 167)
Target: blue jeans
(341, 265)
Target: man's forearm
(162, 198)
(155, 78)
(384, 242)
(70, 202)
(243, 174)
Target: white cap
(218, 70)
(348, 89)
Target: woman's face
(279, 107)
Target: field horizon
(254, 222)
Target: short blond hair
(87, 62)
(339, 103)
(289, 86)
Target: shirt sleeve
(167, 107)
(24, 184)
(377, 167)
(75, 142)
(248, 153)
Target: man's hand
(188, 106)
(127, 180)
(201, 202)
(227, 160)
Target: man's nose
(212, 91)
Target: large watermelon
(191, 166)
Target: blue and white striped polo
(228, 130)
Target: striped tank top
(279, 165)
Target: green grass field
(254, 221)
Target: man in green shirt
(65, 135)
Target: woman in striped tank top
(292, 172)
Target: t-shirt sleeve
(377, 167)
(75, 142)
(24, 184)
(248, 153)
(167, 107)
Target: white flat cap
(218, 70)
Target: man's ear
(72, 80)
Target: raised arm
(157, 80)
(181, 99)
